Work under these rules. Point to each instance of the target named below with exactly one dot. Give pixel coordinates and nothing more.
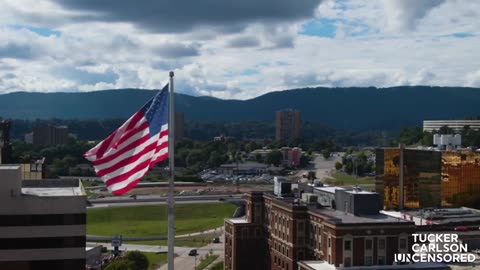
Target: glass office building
(422, 178)
(460, 178)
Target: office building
(421, 178)
(48, 135)
(179, 126)
(43, 222)
(288, 125)
(456, 125)
(460, 178)
(447, 141)
(280, 230)
(34, 170)
(430, 178)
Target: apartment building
(48, 134)
(456, 125)
(288, 125)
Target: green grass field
(206, 262)
(342, 179)
(218, 266)
(156, 260)
(151, 220)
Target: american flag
(124, 157)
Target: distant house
(262, 152)
(248, 168)
(223, 138)
(81, 169)
(290, 156)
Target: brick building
(278, 232)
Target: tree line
(413, 136)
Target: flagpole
(171, 185)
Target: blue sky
(321, 27)
(237, 51)
(42, 31)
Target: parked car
(193, 252)
(216, 240)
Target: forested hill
(350, 108)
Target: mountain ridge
(346, 108)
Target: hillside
(350, 108)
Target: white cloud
(473, 79)
(404, 15)
(378, 43)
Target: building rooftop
(329, 189)
(336, 216)
(450, 215)
(245, 165)
(53, 187)
(339, 217)
(322, 265)
(9, 167)
(238, 220)
(356, 191)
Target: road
(96, 238)
(104, 205)
(130, 247)
(323, 167)
(185, 262)
(158, 198)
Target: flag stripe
(115, 147)
(129, 150)
(130, 159)
(131, 133)
(135, 171)
(128, 187)
(142, 168)
(106, 144)
(160, 158)
(136, 120)
(126, 155)
(100, 150)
